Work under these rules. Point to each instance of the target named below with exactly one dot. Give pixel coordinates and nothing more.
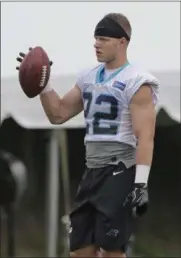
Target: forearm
(144, 155)
(51, 103)
(61, 109)
(144, 151)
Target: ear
(122, 41)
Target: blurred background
(52, 158)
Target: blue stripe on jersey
(100, 74)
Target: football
(34, 72)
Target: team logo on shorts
(113, 233)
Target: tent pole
(66, 188)
(53, 196)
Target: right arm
(59, 110)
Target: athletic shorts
(98, 216)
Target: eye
(104, 39)
(101, 38)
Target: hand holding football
(34, 71)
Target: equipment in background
(13, 182)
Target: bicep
(143, 112)
(71, 103)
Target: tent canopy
(29, 113)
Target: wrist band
(142, 174)
(46, 89)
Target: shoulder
(87, 74)
(133, 74)
(134, 77)
(89, 71)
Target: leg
(113, 254)
(114, 222)
(113, 235)
(82, 218)
(82, 232)
(88, 251)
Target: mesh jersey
(106, 102)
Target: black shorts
(99, 217)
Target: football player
(118, 100)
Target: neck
(116, 63)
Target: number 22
(112, 129)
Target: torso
(109, 135)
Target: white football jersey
(106, 102)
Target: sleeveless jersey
(106, 110)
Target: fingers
(22, 54)
(19, 59)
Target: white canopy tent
(29, 114)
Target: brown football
(34, 72)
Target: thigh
(88, 251)
(83, 191)
(116, 183)
(114, 222)
(113, 233)
(82, 227)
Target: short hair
(122, 20)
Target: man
(118, 100)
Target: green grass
(153, 246)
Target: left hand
(138, 199)
(21, 57)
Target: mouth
(98, 53)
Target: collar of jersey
(100, 73)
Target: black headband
(107, 27)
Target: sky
(65, 30)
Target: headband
(107, 27)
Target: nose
(97, 44)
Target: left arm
(143, 117)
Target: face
(107, 48)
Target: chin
(101, 60)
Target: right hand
(22, 55)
